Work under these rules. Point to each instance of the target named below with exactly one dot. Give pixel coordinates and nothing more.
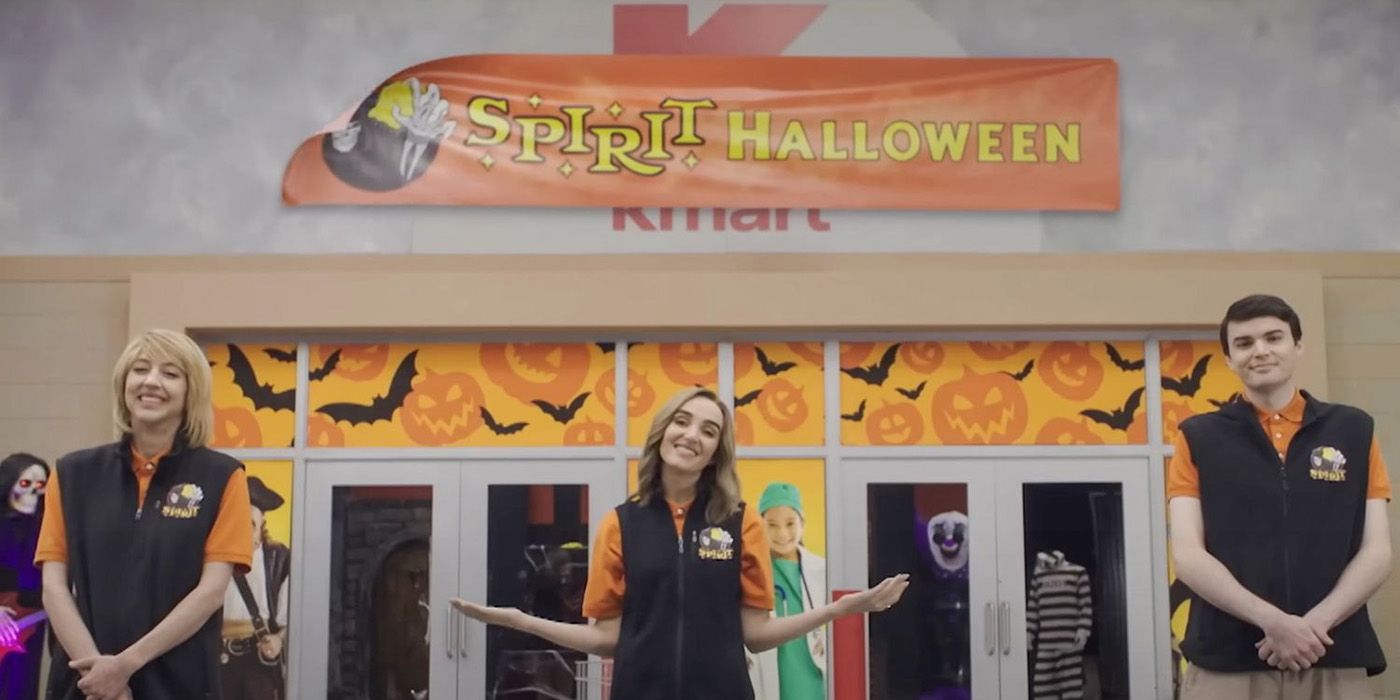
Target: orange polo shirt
(229, 541)
(1183, 479)
(602, 599)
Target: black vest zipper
(1261, 437)
(680, 609)
(1287, 560)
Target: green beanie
(780, 493)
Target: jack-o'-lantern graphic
(1065, 431)
(979, 409)
(997, 350)
(743, 428)
(1070, 370)
(894, 424)
(1177, 357)
(855, 354)
(1173, 412)
(744, 359)
(529, 371)
(357, 362)
(922, 358)
(640, 395)
(321, 431)
(236, 427)
(782, 406)
(812, 353)
(442, 408)
(589, 432)
(690, 364)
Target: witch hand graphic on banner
(796, 670)
(252, 662)
(392, 137)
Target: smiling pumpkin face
(1070, 370)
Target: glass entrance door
(527, 531)
(935, 520)
(1073, 587)
(377, 622)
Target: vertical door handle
(450, 634)
(1004, 627)
(989, 634)
(461, 636)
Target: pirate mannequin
(252, 663)
(22, 478)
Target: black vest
(1285, 530)
(681, 636)
(129, 572)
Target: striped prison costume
(1058, 612)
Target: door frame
(858, 473)
(607, 484)
(322, 478)
(1131, 473)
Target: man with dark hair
(1278, 526)
(252, 663)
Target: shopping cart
(594, 678)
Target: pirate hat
(264, 498)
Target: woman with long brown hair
(681, 578)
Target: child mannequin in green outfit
(796, 670)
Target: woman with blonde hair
(140, 537)
(681, 579)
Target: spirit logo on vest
(1328, 464)
(716, 544)
(182, 501)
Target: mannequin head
(947, 540)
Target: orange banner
(732, 131)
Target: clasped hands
(1293, 642)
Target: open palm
(878, 598)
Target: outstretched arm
(599, 638)
(763, 631)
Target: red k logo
(765, 29)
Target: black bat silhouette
(913, 393)
(876, 374)
(1117, 418)
(747, 399)
(281, 355)
(1221, 404)
(563, 414)
(317, 375)
(609, 347)
(1120, 363)
(261, 395)
(771, 368)
(858, 416)
(1191, 383)
(381, 407)
(499, 429)
(1026, 372)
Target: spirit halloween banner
(732, 131)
